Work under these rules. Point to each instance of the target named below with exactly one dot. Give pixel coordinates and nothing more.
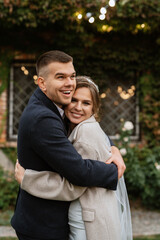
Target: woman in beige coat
(93, 212)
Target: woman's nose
(78, 106)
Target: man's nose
(68, 81)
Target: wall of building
(3, 121)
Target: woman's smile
(77, 115)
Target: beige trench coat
(99, 205)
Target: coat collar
(46, 101)
(89, 120)
(49, 104)
(73, 134)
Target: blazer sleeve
(50, 143)
(50, 185)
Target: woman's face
(81, 106)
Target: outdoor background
(117, 44)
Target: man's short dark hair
(52, 56)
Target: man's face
(59, 83)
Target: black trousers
(24, 237)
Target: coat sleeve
(50, 185)
(50, 143)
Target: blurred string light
(88, 15)
(79, 16)
(107, 28)
(104, 94)
(141, 27)
(26, 72)
(35, 78)
(91, 20)
(102, 16)
(126, 94)
(103, 12)
(112, 3)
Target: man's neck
(61, 111)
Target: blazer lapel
(49, 104)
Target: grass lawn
(157, 237)
(142, 238)
(8, 238)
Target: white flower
(125, 139)
(128, 125)
(123, 151)
(117, 136)
(157, 166)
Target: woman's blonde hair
(84, 81)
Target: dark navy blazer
(43, 145)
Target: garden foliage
(142, 174)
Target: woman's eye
(86, 103)
(73, 77)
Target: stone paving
(5, 163)
(144, 223)
(7, 232)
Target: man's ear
(41, 84)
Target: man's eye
(73, 77)
(60, 77)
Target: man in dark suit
(43, 145)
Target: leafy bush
(142, 174)
(8, 190)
